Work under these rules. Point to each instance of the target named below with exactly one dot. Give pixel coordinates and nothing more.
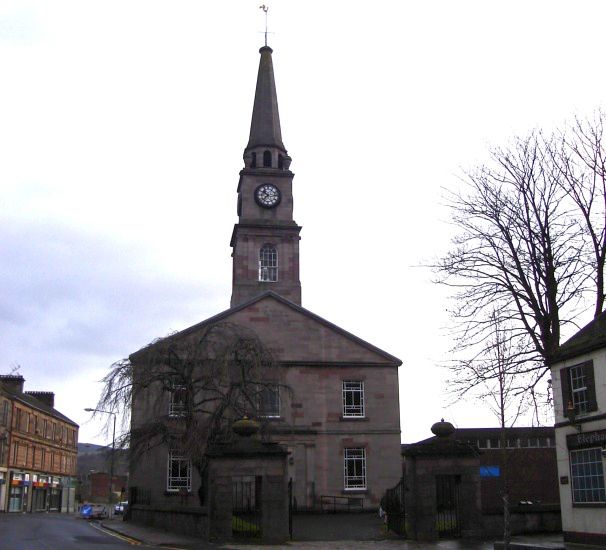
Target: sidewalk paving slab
(151, 536)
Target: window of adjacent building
(268, 264)
(3, 447)
(4, 414)
(178, 472)
(268, 401)
(587, 473)
(353, 398)
(178, 399)
(578, 388)
(355, 468)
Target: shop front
(3, 475)
(18, 491)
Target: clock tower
(265, 241)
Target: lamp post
(111, 467)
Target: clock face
(267, 195)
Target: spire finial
(265, 10)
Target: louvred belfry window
(268, 264)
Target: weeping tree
(530, 243)
(184, 391)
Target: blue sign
(490, 471)
(86, 511)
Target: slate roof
(34, 403)
(269, 294)
(590, 338)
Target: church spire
(265, 125)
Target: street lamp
(111, 467)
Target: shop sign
(586, 439)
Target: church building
(340, 421)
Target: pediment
(296, 335)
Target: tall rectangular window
(268, 264)
(587, 473)
(578, 388)
(178, 400)
(4, 414)
(353, 398)
(268, 405)
(355, 468)
(178, 472)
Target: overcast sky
(122, 127)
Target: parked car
(120, 508)
(93, 511)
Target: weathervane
(265, 10)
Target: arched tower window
(253, 162)
(280, 162)
(268, 264)
(267, 159)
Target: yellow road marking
(130, 541)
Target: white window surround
(353, 399)
(354, 462)
(178, 472)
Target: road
(53, 532)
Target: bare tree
(185, 391)
(531, 245)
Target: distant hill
(97, 458)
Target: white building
(579, 394)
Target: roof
(457, 442)
(265, 124)
(272, 295)
(34, 403)
(590, 338)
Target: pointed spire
(265, 125)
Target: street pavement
(67, 532)
(53, 532)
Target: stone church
(341, 421)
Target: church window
(178, 472)
(268, 264)
(253, 162)
(268, 401)
(353, 398)
(178, 399)
(267, 159)
(280, 162)
(355, 468)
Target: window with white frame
(268, 264)
(178, 399)
(355, 468)
(178, 472)
(578, 388)
(587, 473)
(353, 398)
(268, 401)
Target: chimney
(46, 397)
(12, 382)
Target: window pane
(355, 468)
(587, 472)
(353, 398)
